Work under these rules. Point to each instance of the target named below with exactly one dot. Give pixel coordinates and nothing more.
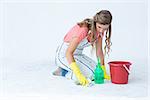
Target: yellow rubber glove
(106, 76)
(82, 80)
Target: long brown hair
(103, 17)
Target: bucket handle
(126, 68)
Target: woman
(70, 60)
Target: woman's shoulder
(79, 29)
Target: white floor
(27, 79)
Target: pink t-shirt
(76, 31)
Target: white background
(30, 31)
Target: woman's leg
(87, 65)
(57, 72)
(60, 61)
(60, 72)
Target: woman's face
(100, 28)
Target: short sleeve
(76, 31)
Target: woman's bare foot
(57, 72)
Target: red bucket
(119, 71)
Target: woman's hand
(82, 80)
(106, 76)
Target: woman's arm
(74, 67)
(99, 50)
(99, 53)
(71, 48)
